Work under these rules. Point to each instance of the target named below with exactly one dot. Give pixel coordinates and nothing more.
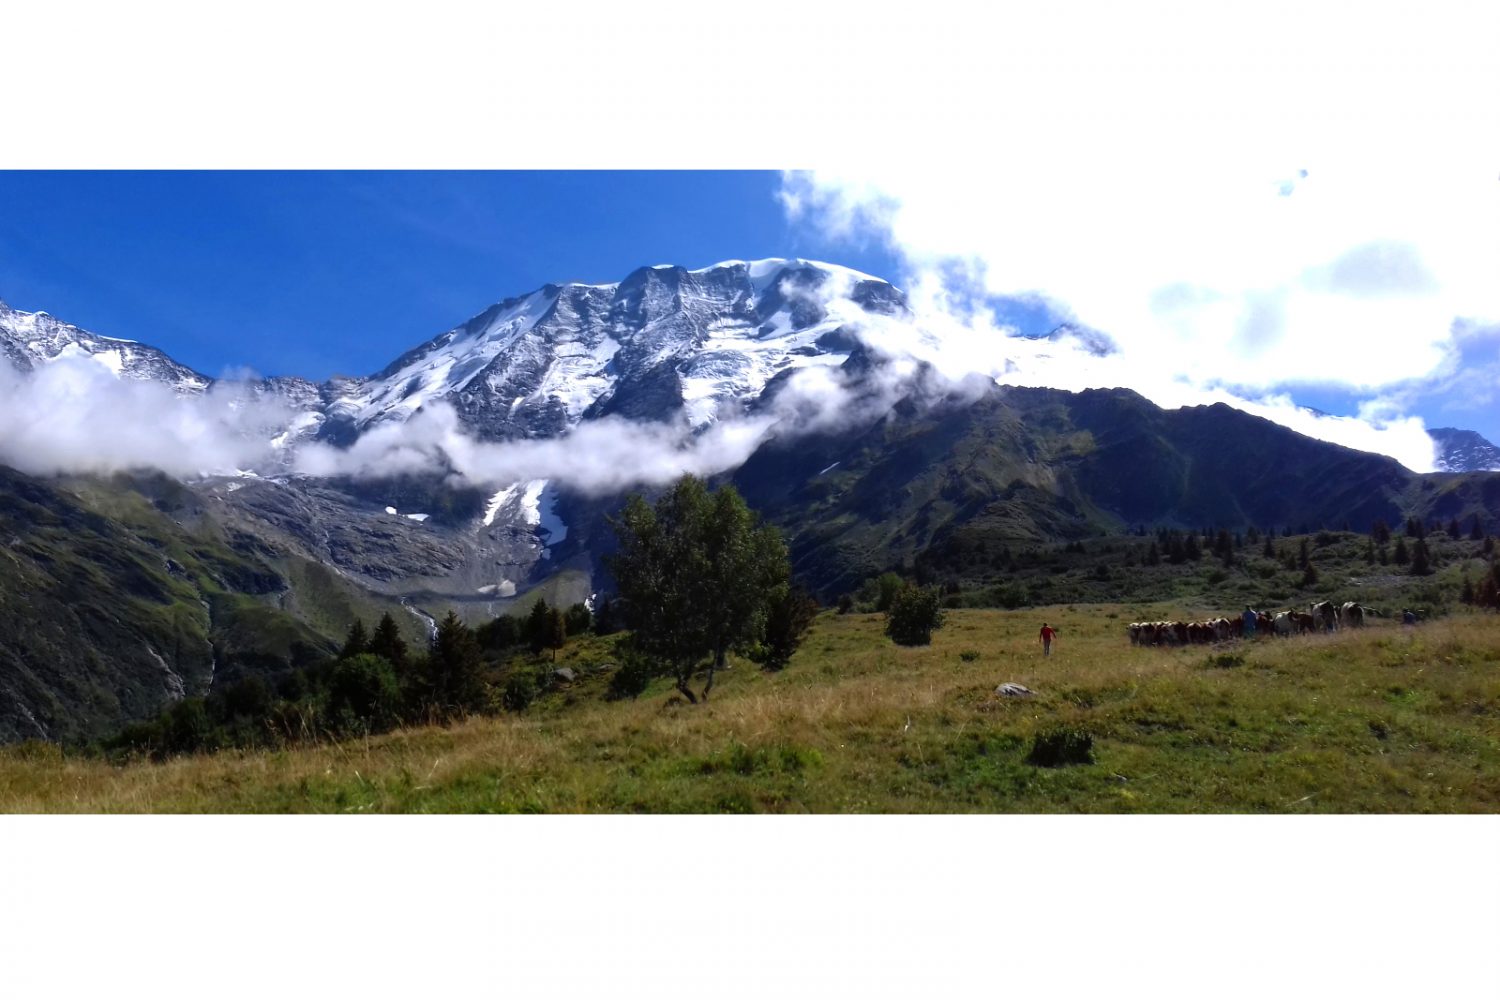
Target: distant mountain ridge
(1464, 451)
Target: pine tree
(537, 626)
(557, 631)
(1454, 531)
(451, 677)
(1153, 555)
(357, 643)
(1270, 550)
(387, 642)
(1476, 532)
(1466, 593)
(1400, 555)
(1303, 562)
(1420, 562)
(1381, 532)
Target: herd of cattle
(1324, 616)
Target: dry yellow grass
(1383, 719)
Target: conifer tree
(387, 642)
(1400, 554)
(451, 679)
(537, 626)
(357, 642)
(1476, 532)
(557, 631)
(1420, 561)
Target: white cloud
(1257, 204)
(75, 415)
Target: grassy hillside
(1385, 719)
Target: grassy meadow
(1384, 719)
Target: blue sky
(317, 273)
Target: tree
(606, 618)
(1454, 531)
(387, 642)
(1400, 555)
(501, 632)
(580, 619)
(538, 626)
(914, 615)
(1476, 531)
(556, 631)
(697, 574)
(1153, 555)
(1303, 561)
(1270, 550)
(451, 681)
(1381, 532)
(887, 586)
(1466, 592)
(787, 621)
(1421, 564)
(357, 642)
(363, 695)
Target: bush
(1062, 746)
(1010, 595)
(846, 604)
(887, 586)
(787, 620)
(915, 613)
(632, 677)
(520, 691)
(969, 655)
(363, 695)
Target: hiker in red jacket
(1048, 634)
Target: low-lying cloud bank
(74, 415)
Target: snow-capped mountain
(29, 340)
(663, 340)
(1464, 451)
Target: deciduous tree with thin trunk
(697, 574)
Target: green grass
(1380, 720)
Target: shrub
(887, 586)
(914, 614)
(787, 620)
(1061, 746)
(363, 695)
(632, 677)
(969, 655)
(520, 691)
(1225, 660)
(846, 604)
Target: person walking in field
(1249, 619)
(1048, 634)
